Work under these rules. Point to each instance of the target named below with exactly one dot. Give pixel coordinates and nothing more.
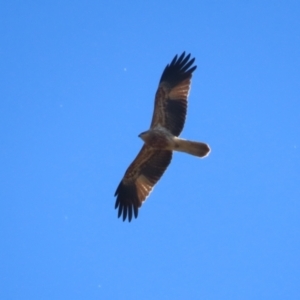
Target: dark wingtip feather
(126, 201)
(179, 61)
(129, 213)
(135, 211)
(178, 70)
(173, 60)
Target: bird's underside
(161, 139)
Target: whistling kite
(161, 139)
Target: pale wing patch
(144, 187)
(181, 91)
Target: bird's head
(143, 135)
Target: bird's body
(158, 138)
(161, 139)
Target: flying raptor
(161, 139)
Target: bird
(170, 109)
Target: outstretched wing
(172, 93)
(139, 179)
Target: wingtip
(128, 213)
(179, 69)
(126, 208)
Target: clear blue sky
(78, 80)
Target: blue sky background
(78, 80)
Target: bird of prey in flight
(161, 139)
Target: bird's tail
(194, 148)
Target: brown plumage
(161, 139)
